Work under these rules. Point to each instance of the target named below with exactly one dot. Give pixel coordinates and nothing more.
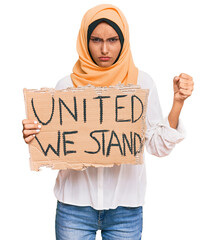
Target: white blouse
(123, 185)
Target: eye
(113, 39)
(95, 39)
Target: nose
(104, 48)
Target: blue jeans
(81, 222)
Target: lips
(104, 58)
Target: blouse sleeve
(64, 83)
(160, 138)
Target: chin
(104, 64)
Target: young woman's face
(104, 45)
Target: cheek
(116, 49)
(93, 49)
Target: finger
(32, 126)
(185, 92)
(184, 75)
(186, 81)
(176, 79)
(183, 96)
(185, 85)
(189, 80)
(29, 121)
(29, 138)
(27, 133)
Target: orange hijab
(85, 71)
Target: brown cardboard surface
(87, 126)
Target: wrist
(173, 116)
(178, 103)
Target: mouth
(104, 59)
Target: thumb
(176, 79)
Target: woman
(111, 199)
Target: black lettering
(103, 141)
(74, 115)
(130, 145)
(139, 148)
(101, 106)
(68, 142)
(113, 144)
(96, 140)
(84, 110)
(39, 120)
(132, 108)
(45, 152)
(119, 107)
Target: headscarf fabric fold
(85, 71)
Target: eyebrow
(108, 38)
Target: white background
(38, 47)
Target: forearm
(174, 114)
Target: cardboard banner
(87, 126)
